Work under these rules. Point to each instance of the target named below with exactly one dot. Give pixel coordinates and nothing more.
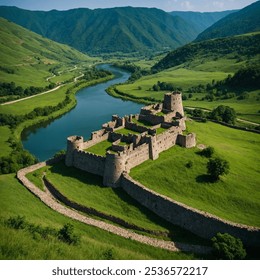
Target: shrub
(217, 167)
(207, 152)
(17, 222)
(66, 234)
(227, 247)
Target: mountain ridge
(201, 20)
(97, 31)
(243, 21)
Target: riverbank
(15, 133)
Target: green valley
(140, 182)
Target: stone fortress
(129, 141)
(157, 128)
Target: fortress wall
(135, 127)
(137, 156)
(166, 140)
(89, 162)
(152, 119)
(201, 223)
(168, 117)
(96, 139)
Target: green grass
(26, 106)
(141, 123)
(71, 181)
(160, 130)
(5, 133)
(235, 197)
(100, 148)
(180, 77)
(31, 56)
(95, 243)
(126, 131)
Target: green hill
(28, 59)
(97, 31)
(244, 21)
(201, 21)
(242, 48)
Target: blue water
(94, 107)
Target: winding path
(32, 96)
(48, 199)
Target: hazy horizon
(166, 5)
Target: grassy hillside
(244, 21)
(29, 244)
(28, 59)
(124, 29)
(195, 67)
(235, 197)
(241, 48)
(201, 21)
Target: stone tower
(114, 167)
(73, 143)
(173, 102)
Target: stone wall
(89, 162)
(166, 140)
(152, 119)
(137, 156)
(96, 137)
(201, 223)
(187, 141)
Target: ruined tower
(173, 102)
(114, 167)
(73, 143)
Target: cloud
(218, 4)
(187, 5)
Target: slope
(241, 47)
(124, 29)
(27, 58)
(244, 21)
(201, 21)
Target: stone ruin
(128, 151)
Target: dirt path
(32, 96)
(47, 198)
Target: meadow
(192, 74)
(114, 202)
(235, 197)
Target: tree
(227, 247)
(224, 114)
(217, 167)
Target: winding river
(94, 107)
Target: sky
(166, 5)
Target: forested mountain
(21, 46)
(244, 21)
(242, 47)
(97, 31)
(202, 21)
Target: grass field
(192, 74)
(5, 133)
(95, 243)
(71, 181)
(236, 197)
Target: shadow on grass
(205, 179)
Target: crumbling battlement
(128, 151)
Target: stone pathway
(47, 198)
